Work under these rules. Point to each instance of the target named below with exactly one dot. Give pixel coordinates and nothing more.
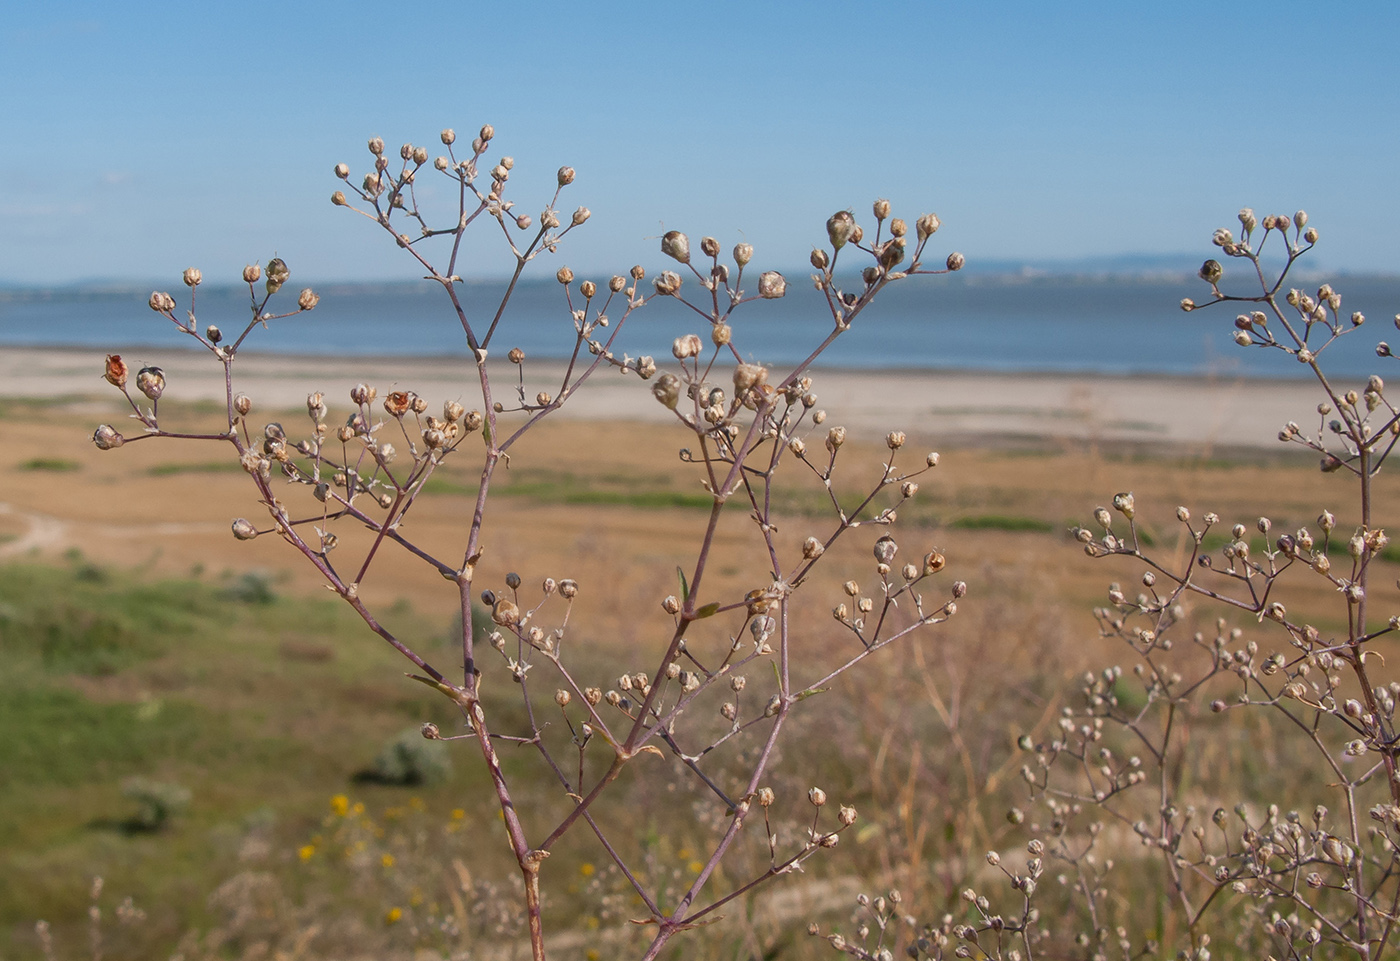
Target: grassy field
(140, 639)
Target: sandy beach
(1200, 414)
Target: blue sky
(141, 139)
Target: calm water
(974, 323)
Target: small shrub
(410, 760)
(158, 802)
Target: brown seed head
(308, 299)
(771, 285)
(243, 529)
(251, 274)
(115, 372)
(926, 226)
(193, 276)
(956, 261)
(667, 390)
(743, 253)
(277, 271)
(668, 282)
(676, 245)
(505, 613)
(709, 246)
(565, 276)
(839, 227)
(151, 382)
(588, 288)
(107, 438)
(749, 375)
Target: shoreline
(974, 407)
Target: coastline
(964, 407)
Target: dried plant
(728, 668)
(1288, 683)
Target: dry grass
(922, 743)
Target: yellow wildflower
(340, 804)
(387, 860)
(586, 869)
(393, 916)
(306, 852)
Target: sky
(142, 139)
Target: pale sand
(953, 407)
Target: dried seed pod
(151, 382)
(242, 404)
(886, 549)
(115, 371)
(771, 285)
(244, 529)
(839, 227)
(107, 438)
(676, 245)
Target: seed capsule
(676, 245)
(151, 382)
(107, 438)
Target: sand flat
(961, 407)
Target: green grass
(106, 677)
(558, 487)
(208, 467)
(1001, 522)
(56, 465)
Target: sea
(1018, 322)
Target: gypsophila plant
(727, 668)
(1289, 683)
